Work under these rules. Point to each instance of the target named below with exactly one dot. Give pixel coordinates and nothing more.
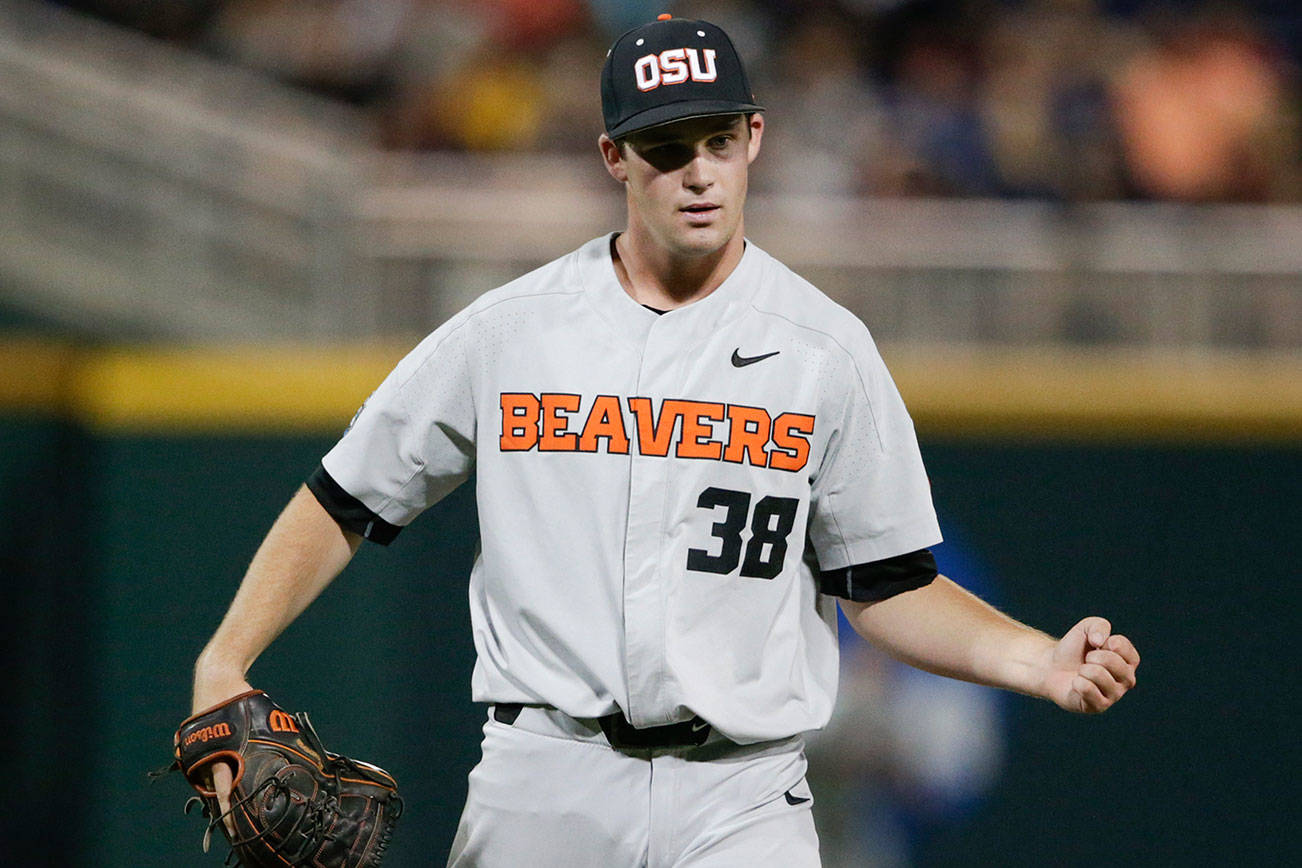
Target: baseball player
(685, 457)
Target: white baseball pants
(550, 791)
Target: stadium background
(1073, 225)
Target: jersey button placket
(649, 682)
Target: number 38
(767, 550)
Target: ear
(612, 159)
(756, 125)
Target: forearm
(304, 550)
(944, 629)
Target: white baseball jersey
(658, 494)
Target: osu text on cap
(674, 66)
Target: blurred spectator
(829, 121)
(527, 25)
(573, 119)
(1062, 99)
(493, 103)
(1204, 113)
(341, 47)
(1044, 99)
(936, 115)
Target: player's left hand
(1090, 668)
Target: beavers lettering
(550, 422)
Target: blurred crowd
(1070, 100)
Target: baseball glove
(292, 801)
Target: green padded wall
(121, 552)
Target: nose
(697, 174)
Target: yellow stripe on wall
(1094, 394)
(193, 389)
(951, 392)
(279, 389)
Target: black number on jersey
(767, 550)
(774, 519)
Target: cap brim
(680, 111)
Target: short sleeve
(871, 499)
(411, 443)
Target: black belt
(625, 736)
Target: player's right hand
(210, 691)
(1090, 668)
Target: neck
(657, 277)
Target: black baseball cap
(670, 70)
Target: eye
(667, 156)
(721, 141)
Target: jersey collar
(602, 287)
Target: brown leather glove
(292, 801)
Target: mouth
(700, 211)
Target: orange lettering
(281, 722)
(792, 451)
(694, 443)
(554, 438)
(753, 435)
(208, 733)
(654, 435)
(604, 420)
(748, 434)
(519, 421)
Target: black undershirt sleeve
(351, 513)
(878, 580)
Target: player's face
(686, 181)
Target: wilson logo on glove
(279, 721)
(292, 802)
(208, 733)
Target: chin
(702, 241)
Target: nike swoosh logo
(794, 800)
(740, 361)
(699, 725)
